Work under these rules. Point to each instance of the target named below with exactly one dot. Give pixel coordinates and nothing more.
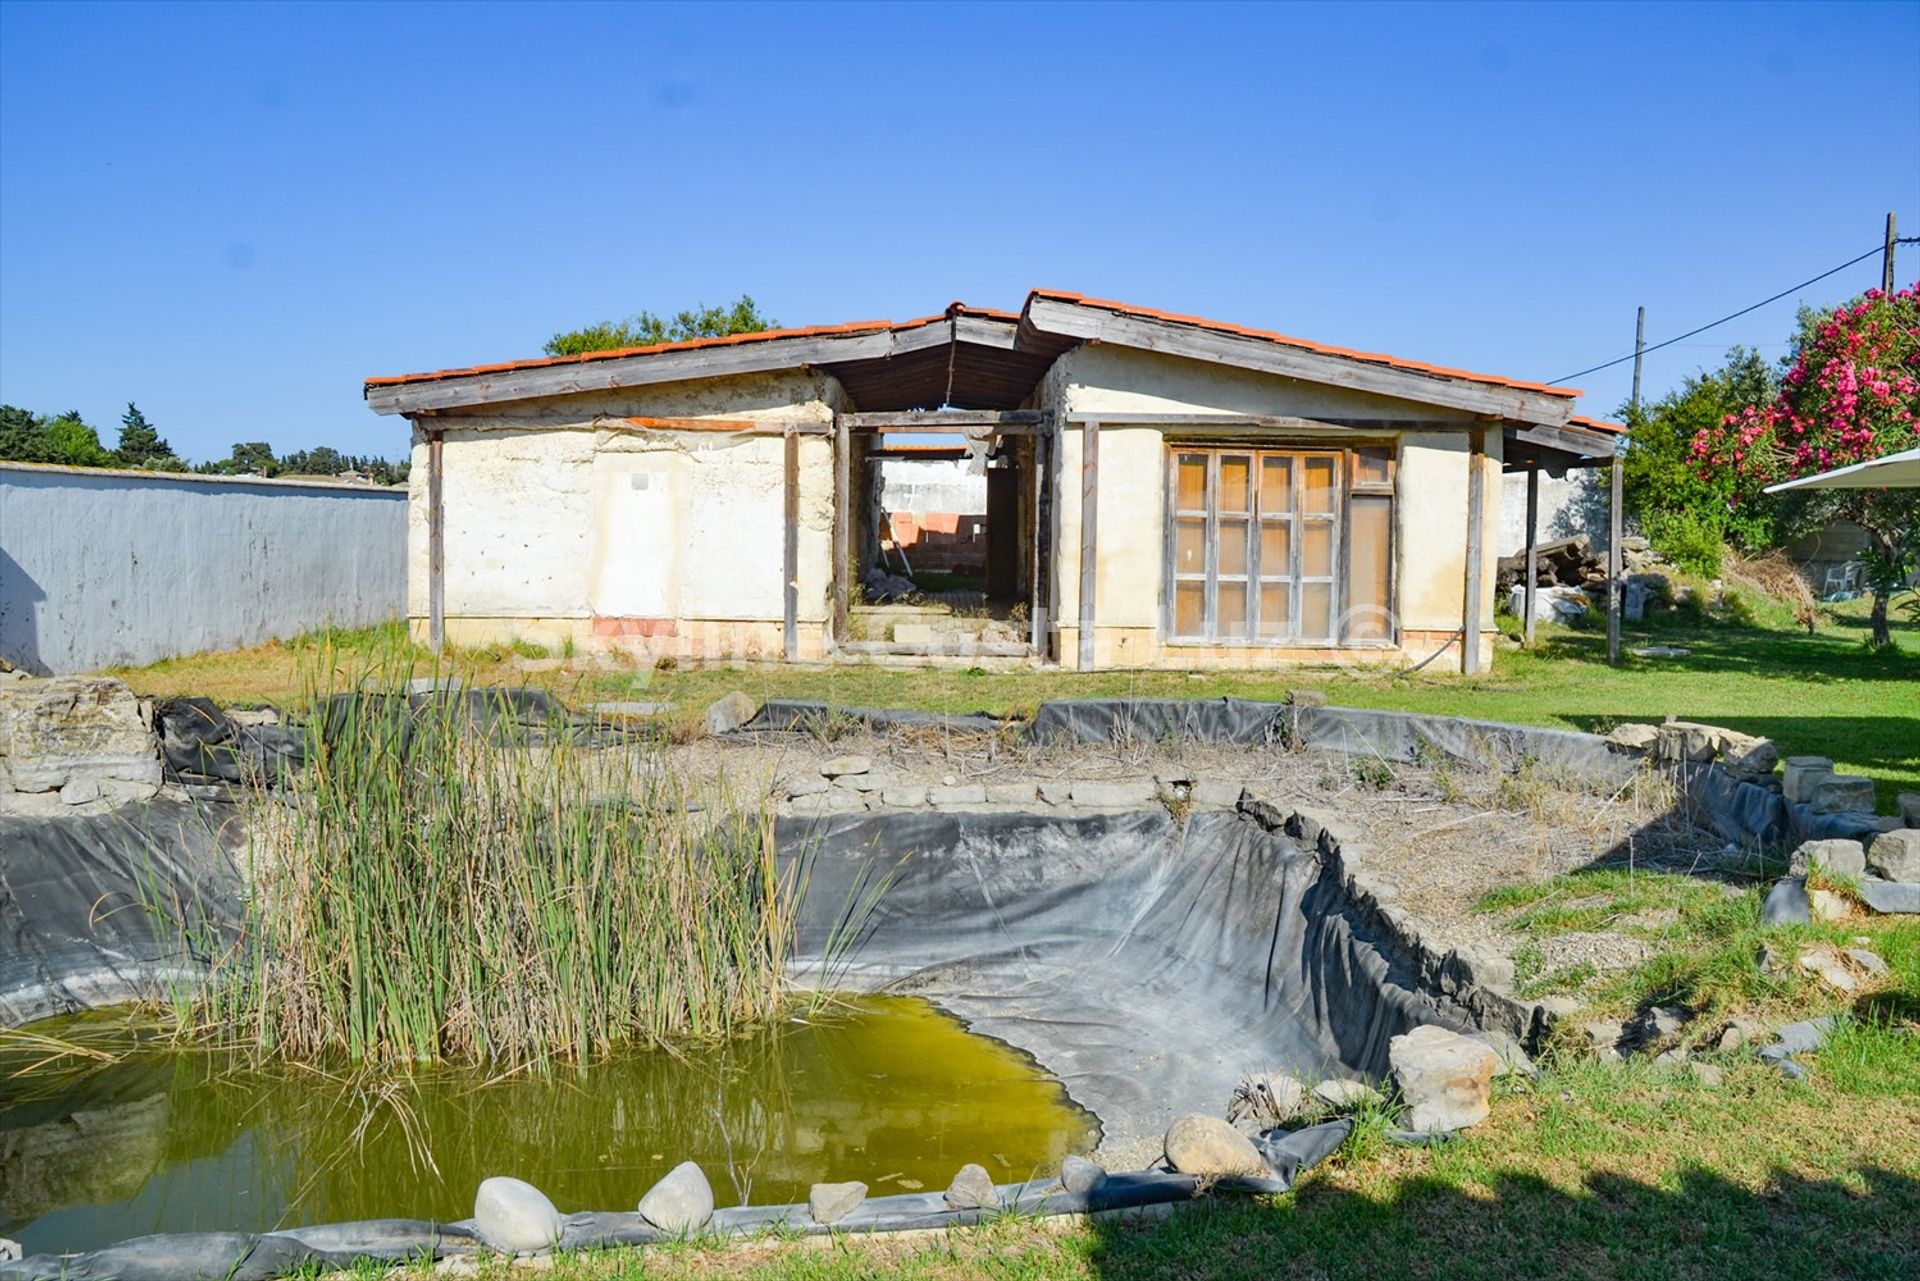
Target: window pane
(1316, 548)
(1192, 492)
(1370, 466)
(1319, 487)
(1276, 538)
(1367, 552)
(1232, 624)
(1276, 486)
(1276, 602)
(1316, 611)
(1190, 546)
(1236, 471)
(1233, 546)
(1189, 609)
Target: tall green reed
(426, 890)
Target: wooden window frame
(1258, 577)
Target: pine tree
(140, 445)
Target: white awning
(1895, 471)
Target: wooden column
(436, 546)
(842, 516)
(1533, 542)
(1615, 592)
(1089, 528)
(1041, 606)
(1476, 521)
(790, 549)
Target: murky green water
(884, 1089)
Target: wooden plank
(1074, 320)
(1285, 422)
(907, 649)
(790, 549)
(436, 545)
(1573, 440)
(1476, 523)
(1042, 542)
(941, 419)
(1533, 544)
(842, 496)
(732, 426)
(1089, 529)
(627, 371)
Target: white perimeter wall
(103, 569)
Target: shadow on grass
(1701, 1225)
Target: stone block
(839, 765)
(912, 634)
(832, 801)
(1895, 855)
(1842, 794)
(1801, 774)
(1010, 793)
(1115, 794)
(1838, 857)
(904, 796)
(68, 729)
(1446, 1078)
(957, 794)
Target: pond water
(886, 1090)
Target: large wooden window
(1280, 546)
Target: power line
(1877, 249)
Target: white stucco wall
(104, 568)
(558, 512)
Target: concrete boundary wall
(103, 568)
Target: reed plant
(442, 881)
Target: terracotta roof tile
(1371, 357)
(960, 308)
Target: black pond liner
(1144, 960)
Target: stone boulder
(1444, 1077)
(1895, 855)
(1834, 856)
(1207, 1146)
(1801, 774)
(1633, 737)
(681, 1202)
(972, 1189)
(1745, 755)
(514, 1217)
(730, 712)
(1842, 794)
(1344, 1095)
(831, 1202)
(83, 736)
(1081, 1176)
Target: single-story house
(1163, 491)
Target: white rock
(1838, 856)
(831, 1202)
(514, 1217)
(1895, 855)
(1200, 1144)
(1340, 1093)
(839, 765)
(1445, 1078)
(729, 712)
(681, 1202)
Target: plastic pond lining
(1146, 961)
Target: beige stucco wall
(1430, 507)
(564, 523)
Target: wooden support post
(436, 545)
(1089, 528)
(1533, 543)
(1041, 607)
(1476, 522)
(1616, 590)
(790, 549)
(842, 519)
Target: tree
(1850, 393)
(647, 329)
(250, 458)
(1687, 516)
(70, 440)
(140, 445)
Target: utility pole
(1616, 561)
(1886, 258)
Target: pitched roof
(959, 308)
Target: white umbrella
(1895, 471)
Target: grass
(1753, 669)
(430, 892)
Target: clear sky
(234, 214)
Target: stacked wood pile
(1565, 562)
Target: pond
(888, 1090)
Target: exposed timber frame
(1089, 531)
(790, 550)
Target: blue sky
(233, 214)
